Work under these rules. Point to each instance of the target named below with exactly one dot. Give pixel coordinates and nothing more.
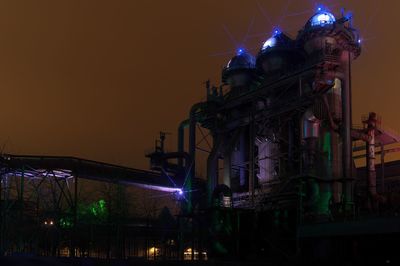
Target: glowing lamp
(240, 51)
(276, 32)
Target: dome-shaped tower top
(242, 60)
(242, 63)
(277, 54)
(278, 40)
(323, 32)
(321, 19)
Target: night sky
(99, 79)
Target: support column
(251, 161)
(371, 172)
(75, 209)
(382, 168)
(21, 210)
(181, 140)
(346, 132)
(2, 202)
(227, 168)
(212, 167)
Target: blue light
(320, 8)
(359, 41)
(322, 19)
(180, 192)
(240, 51)
(276, 31)
(349, 15)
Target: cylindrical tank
(331, 44)
(240, 69)
(277, 55)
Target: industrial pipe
(181, 139)
(346, 131)
(192, 149)
(212, 167)
(371, 172)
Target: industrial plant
(285, 183)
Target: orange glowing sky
(99, 79)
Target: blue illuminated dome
(322, 18)
(239, 69)
(277, 40)
(278, 53)
(271, 42)
(242, 60)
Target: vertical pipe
(181, 139)
(181, 240)
(251, 160)
(192, 152)
(291, 145)
(346, 132)
(192, 253)
(212, 167)
(382, 168)
(1, 215)
(75, 216)
(21, 210)
(371, 173)
(227, 167)
(242, 157)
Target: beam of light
(372, 17)
(262, 11)
(187, 174)
(221, 54)
(159, 188)
(249, 27)
(263, 34)
(232, 53)
(285, 9)
(176, 193)
(308, 11)
(170, 179)
(229, 34)
(313, 10)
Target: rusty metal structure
(281, 184)
(42, 210)
(284, 146)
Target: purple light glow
(158, 188)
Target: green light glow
(95, 213)
(98, 210)
(65, 223)
(327, 145)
